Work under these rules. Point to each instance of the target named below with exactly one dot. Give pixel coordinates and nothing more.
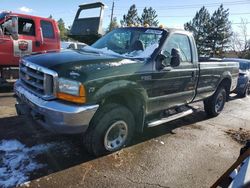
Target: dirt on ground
(240, 135)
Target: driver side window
(181, 43)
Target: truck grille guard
(38, 80)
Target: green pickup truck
(130, 79)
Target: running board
(170, 118)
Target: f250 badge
(146, 77)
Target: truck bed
(211, 73)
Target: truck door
(176, 85)
(11, 50)
(50, 39)
(26, 43)
(6, 47)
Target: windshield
(129, 42)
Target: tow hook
(22, 109)
(36, 116)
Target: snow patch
(142, 54)
(161, 142)
(17, 161)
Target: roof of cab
(169, 30)
(29, 16)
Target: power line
(240, 23)
(186, 16)
(187, 6)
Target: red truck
(22, 34)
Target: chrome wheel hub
(219, 103)
(116, 135)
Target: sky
(172, 13)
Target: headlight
(68, 86)
(70, 90)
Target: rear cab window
(26, 27)
(47, 29)
(182, 43)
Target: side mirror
(160, 61)
(175, 58)
(1, 32)
(14, 28)
(41, 35)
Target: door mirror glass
(10, 27)
(161, 61)
(1, 32)
(175, 58)
(14, 27)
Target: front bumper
(55, 116)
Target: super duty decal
(22, 47)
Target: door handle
(193, 74)
(38, 43)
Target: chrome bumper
(54, 115)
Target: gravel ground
(190, 152)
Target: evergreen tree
(63, 30)
(131, 18)
(149, 17)
(114, 24)
(200, 26)
(220, 31)
(50, 16)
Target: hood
(82, 66)
(53, 60)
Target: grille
(38, 80)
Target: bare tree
(239, 40)
(243, 30)
(236, 43)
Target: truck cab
(33, 34)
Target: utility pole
(112, 13)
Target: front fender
(119, 86)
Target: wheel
(245, 93)
(248, 89)
(111, 129)
(215, 104)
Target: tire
(110, 121)
(215, 104)
(245, 93)
(248, 89)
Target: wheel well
(226, 83)
(133, 102)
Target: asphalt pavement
(190, 152)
